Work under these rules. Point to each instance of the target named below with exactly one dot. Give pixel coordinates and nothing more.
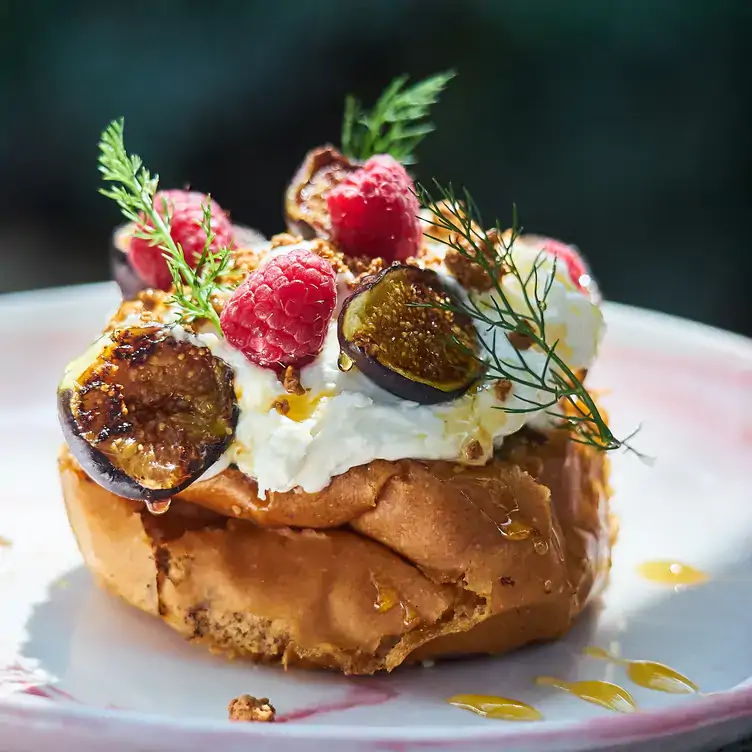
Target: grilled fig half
(147, 414)
(395, 331)
(128, 279)
(305, 201)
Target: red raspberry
(185, 228)
(576, 266)
(374, 211)
(280, 314)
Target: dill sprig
(134, 192)
(396, 124)
(194, 288)
(566, 399)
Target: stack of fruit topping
(424, 286)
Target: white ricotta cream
(344, 419)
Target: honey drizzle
(300, 407)
(515, 530)
(386, 599)
(605, 694)
(667, 572)
(649, 674)
(491, 706)
(158, 508)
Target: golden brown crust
(412, 559)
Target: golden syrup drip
(649, 674)
(540, 546)
(386, 599)
(344, 362)
(667, 572)
(502, 708)
(158, 507)
(409, 613)
(515, 530)
(605, 694)
(303, 406)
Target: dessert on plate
(363, 442)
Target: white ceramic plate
(80, 670)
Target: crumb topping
(469, 274)
(245, 259)
(285, 238)
(502, 388)
(363, 267)
(330, 253)
(520, 340)
(290, 379)
(250, 709)
(282, 406)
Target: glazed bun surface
(392, 562)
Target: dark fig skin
(305, 206)
(415, 389)
(111, 422)
(128, 279)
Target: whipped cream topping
(344, 419)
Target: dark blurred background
(623, 126)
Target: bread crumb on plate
(251, 709)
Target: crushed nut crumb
(502, 388)
(251, 709)
(291, 381)
(282, 406)
(285, 238)
(244, 260)
(473, 450)
(520, 340)
(467, 272)
(362, 268)
(328, 252)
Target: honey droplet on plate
(491, 706)
(666, 572)
(649, 674)
(603, 693)
(344, 362)
(158, 507)
(659, 677)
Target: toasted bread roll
(393, 562)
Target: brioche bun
(393, 562)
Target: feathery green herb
(134, 191)
(459, 224)
(396, 124)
